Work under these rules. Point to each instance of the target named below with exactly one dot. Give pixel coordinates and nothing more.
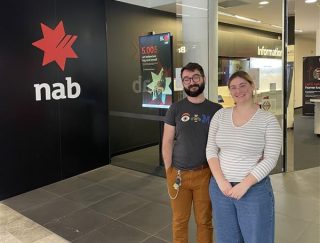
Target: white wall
(142, 3)
(318, 35)
(195, 34)
(303, 48)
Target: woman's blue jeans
(249, 220)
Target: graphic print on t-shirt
(205, 119)
(196, 118)
(185, 117)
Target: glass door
(251, 39)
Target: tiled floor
(112, 204)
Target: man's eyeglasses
(195, 78)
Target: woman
(243, 146)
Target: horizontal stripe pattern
(251, 148)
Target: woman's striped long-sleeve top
(251, 148)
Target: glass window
(135, 130)
(251, 41)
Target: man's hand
(167, 145)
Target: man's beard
(196, 92)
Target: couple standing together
(217, 161)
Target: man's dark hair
(191, 66)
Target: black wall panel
(45, 141)
(125, 23)
(84, 120)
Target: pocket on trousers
(168, 171)
(213, 188)
(269, 189)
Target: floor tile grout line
(94, 181)
(141, 206)
(98, 201)
(35, 206)
(95, 229)
(89, 232)
(132, 226)
(120, 222)
(155, 235)
(79, 189)
(139, 195)
(58, 219)
(295, 218)
(301, 233)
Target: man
(187, 170)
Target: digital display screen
(156, 70)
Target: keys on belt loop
(178, 181)
(176, 186)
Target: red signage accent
(56, 45)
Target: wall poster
(311, 83)
(156, 70)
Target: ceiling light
(225, 14)
(247, 19)
(189, 6)
(310, 1)
(183, 15)
(276, 26)
(264, 2)
(238, 17)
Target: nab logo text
(58, 90)
(56, 46)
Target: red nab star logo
(56, 45)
